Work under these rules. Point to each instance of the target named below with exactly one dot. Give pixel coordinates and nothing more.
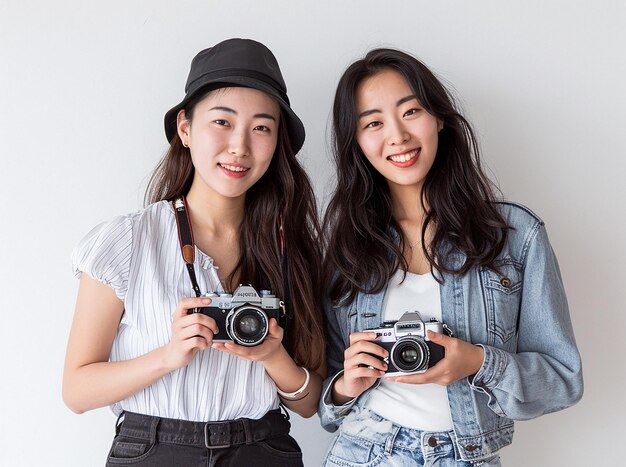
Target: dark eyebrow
(233, 111)
(268, 116)
(368, 112)
(224, 109)
(398, 104)
(405, 99)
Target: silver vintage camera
(242, 317)
(410, 350)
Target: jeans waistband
(212, 435)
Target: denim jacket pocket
(502, 292)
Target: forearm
(289, 377)
(103, 383)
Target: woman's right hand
(362, 366)
(190, 332)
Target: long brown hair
(271, 203)
(364, 243)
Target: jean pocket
(348, 451)
(128, 450)
(282, 446)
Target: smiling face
(232, 138)
(398, 137)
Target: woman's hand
(190, 332)
(461, 360)
(267, 350)
(362, 365)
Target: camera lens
(409, 354)
(247, 325)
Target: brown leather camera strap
(185, 238)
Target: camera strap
(185, 238)
(286, 277)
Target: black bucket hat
(238, 62)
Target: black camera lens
(247, 325)
(409, 354)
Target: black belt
(212, 435)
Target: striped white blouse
(138, 255)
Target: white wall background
(83, 89)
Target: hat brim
(294, 125)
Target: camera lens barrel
(247, 325)
(410, 354)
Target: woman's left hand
(461, 360)
(268, 349)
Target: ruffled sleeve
(105, 254)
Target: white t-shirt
(420, 406)
(139, 256)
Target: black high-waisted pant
(144, 440)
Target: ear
(439, 125)
(183, 126)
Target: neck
(407, 205)
(212, 212)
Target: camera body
(243, 316)
(410, 350)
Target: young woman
(414, 226)
(228, 186)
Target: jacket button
(505, 282)
(471, 447)
(432, 441)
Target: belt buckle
(224, 434)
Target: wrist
(480, 358)
(277, 359)
(298, 393)
(338, 393)
(162, 361)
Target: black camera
(243, 316)
(410, 350)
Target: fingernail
(206, 301)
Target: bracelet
(296, 393)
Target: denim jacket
(520, 317)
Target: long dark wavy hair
(363, 241)
(271, 203)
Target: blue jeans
(366, 439)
